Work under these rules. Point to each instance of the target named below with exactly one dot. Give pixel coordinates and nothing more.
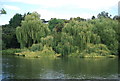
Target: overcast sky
(63, 9)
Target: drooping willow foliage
(107, 29)
(98, 36)
(31, 30)
(75, 36)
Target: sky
(63, 9)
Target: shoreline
(39, 54)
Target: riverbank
(27, 53)
(49, 53)
(11, 51)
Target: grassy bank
(92, 55)
(37, 54)
(48, 52)
(11, 51)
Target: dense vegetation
(75, 37)
(9, 39)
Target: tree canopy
(77, 36)
(56, 24)
(104, 14)
(32, 30)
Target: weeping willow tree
(107, 29)
(96, 49)
(98, 36)
(75, 37)
(32, 30)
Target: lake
(14, 67)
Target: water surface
(59, 68)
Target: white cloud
(86, 15)
(11, 7)
(45, 7)
(91, 4)
(3, 20)
(46, 14)
(95, 4)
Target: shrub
(97, 49)
(36, 47)
(47, 50)
(47, 40)
(12, 51)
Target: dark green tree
(79, 19)
(93, 17)
(16, 20)
(8, 32)
(104, 14)
(107, 30)
(2, 11)
(56, 24)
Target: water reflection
(59, 68)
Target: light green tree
(75, 37)
(107, 29)
(32, 30)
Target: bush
(47, 50)
(47, 40)
(98, 49)
(36, 47)
(12, 51)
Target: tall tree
(32, 30)
(75, 37)
(9, 35)
(16, 20)
(107, 30)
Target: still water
(59, 68)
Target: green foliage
(9, 37)
(107, 29)
(2, 11)
(76, 37)
(36, 47)
(78, 19)
(56, 24)
(98, 49)
(16, 20)
(13, 51)
(47, 51)
(36, 53)
(8, 32)
(48, 41)
(32, 30)
(92, 50)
